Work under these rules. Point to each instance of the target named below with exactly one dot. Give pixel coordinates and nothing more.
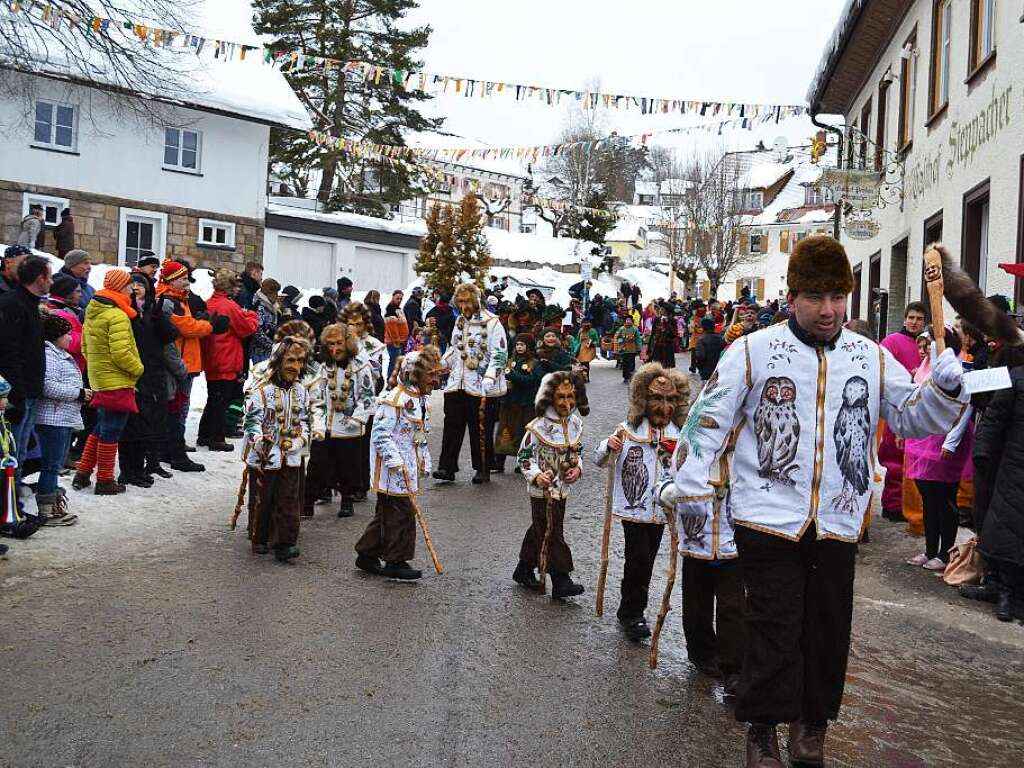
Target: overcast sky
(723, 50)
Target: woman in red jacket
(223, 359)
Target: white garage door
(303, 263)
(375, 268)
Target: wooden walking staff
(606, 531)
(933, 280)
(423, 524)
(545, 548)
(666, 598)
(482, 417)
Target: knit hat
(63, 285)
(316, 302)
(15, 250)
(172, 270)
(526, 338)
(291, 292)
(149, 260)
(75, 257)
(5, 388)
(819, 265)
(116, 279)
(54, 326)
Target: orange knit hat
(116, 279)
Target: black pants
(461, 411)
(713, 613)
(799, 606)
(642, 542)
(333, 463)
(212, 426)
(363, 473)
(941, 516)
(628, 364)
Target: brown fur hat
(819, 265)
(295, 328)
(225, 280)
(548, 385)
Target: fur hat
(225, 280)
(819, 265)
(116, 279)
(54, 326)
(527, 339)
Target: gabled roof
(246, 89)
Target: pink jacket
(55, 307)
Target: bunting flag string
(383, 75)
(467, 87)
(525, 153)
(366, 151)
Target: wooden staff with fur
(666, 598)
(934, 282)
(422, 520)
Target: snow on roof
(764, 174)
(624, 231)
(246, 89)
(648, 214)
(505, 246)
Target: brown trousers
(274, 506)
(559, 554)
(391, 534)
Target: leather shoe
(763, 747)
(481, 477)
(401, 570)
(369, 564)
(444, 475)
(345, 508)
(988, 592)
(1004, 606)
(807, 745)
(636, 629)
(562, 586)
(187, 465)
(221, 446)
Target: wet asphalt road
(189, 651)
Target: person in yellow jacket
(172, 301)
(114, 366)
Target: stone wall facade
(97, 227)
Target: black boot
(1004, 606)
(986, 592)
(525, 577)
(369, 564)
(562, 586)
(345, 508)
(286, 552)
(307, 507)
(444, 475)
(636, 629)
(359, 496)
(401, 570)
(481, 477)
(159, 471)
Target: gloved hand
(668, 495)
(220, 323)
(947, 372)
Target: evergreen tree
(344, 104)
(455, 247)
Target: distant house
(193, 185)
(668, 193)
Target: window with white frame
(56, 126)
(182, 149)
(216, 233)
(141, 231)
(815, 194)
(52, 206)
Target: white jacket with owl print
(806, 416)
(640, 467)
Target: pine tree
(343, 104)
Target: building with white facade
(932, 94)
(188, 181)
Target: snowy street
(149, 635)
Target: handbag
(965, 564)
